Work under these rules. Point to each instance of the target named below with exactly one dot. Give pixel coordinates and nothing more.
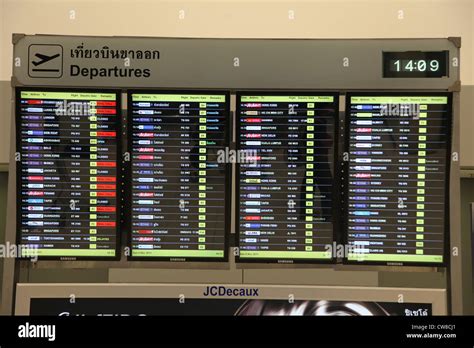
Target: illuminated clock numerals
(415, 64)
(434, 65)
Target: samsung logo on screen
(222, 291)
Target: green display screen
(286, 178)
(68, 204)
(398, 146)
(179, 196)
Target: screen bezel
(472, 241)
(387, 57)
(227, 188)
(118, 240)
(336, 181)
(344, 230)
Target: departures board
(180, 181)
(295, 194)
(67, 204)
(286, 181)
(397, 197)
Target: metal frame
(471, 276)
(455, 274)
(13, 269)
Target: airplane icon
(45, 61)
(44, 58)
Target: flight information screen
(397, 178)
(179, 197)
(285, 176)
(67, 172)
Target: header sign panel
(218, 63)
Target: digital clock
(415, 64)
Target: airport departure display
(67, 172)
(397, 177)
(179, 179)
(285, 176)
